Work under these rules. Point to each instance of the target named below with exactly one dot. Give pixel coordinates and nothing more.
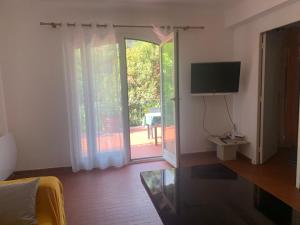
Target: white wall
(3, 124)
(34, 88)
(246, 47)
(250, 9)
(34, 83)
(3, 120)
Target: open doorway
(143, 79)
(280, 85)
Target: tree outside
(106, 83)
(143, 76)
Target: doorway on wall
(153, 99)
(279, 97)
(144, 98)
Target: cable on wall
(228, 111)
(205, 112)
(204, 116)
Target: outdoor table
(152, 121)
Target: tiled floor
(142, 146)
(117, 197)
(110, 197)
(276, 176)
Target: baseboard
(198, 150)
(211, 152)
(244, 157)
(40, 172)
(145, 160)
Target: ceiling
(182, 2)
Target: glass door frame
(175, 36)
(125, 99)
(124, 90)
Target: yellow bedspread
(50, 201)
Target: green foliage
(143, 74)
(168, 82)
(102, 95)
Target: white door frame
(298, 155)
(167, 156)
(260, 102)
(124, 83)
(177, 99)
(124, 91)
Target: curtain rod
(55, 25)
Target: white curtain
(93, 90)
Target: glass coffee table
(213, 195)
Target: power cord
(205, 112)
(204, 116)
(228, 112)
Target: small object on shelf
(223, 140)
(227, 147)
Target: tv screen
(217, 77)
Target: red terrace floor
(141, 146)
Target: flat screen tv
(215, 78)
